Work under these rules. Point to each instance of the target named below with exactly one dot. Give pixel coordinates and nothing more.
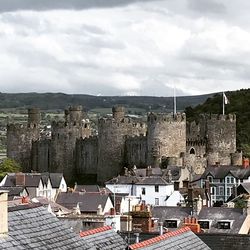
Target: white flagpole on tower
(174, 101)
(223, 103)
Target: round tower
(111, 144)
(33, 117)
(118, 112)
(75, 114)
(166, 136)
(221, 136)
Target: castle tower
(166, 136)
(33, 117)
(111, 143)
(64, 135)
(118, 112)
(221, 138)
(20, 137)
(75, 114)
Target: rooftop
(182, 238)
(104, 238)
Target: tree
(8, 166)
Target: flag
(226, 101)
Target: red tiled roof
(96, 230)
(158, 238)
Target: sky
(124, 47)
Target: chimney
(20, 179)
(149, 171)
(136, 237)
(245, 162)
(3, 213)
(160, 228)
(197, 206)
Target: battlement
(18, 128)
(75, 108)
(220, 117)
(161, 117)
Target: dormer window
(224, 224)
(204, 224)
(171, 223)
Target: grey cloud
(41, 5)
(206, 6)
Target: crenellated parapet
(162, 117)
(221, 117)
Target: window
(156, 188)
(143, 191)
(232, 179)
(229, 191)
(157, 201)
(170, 223)
(210, 178)
(221, 191)
(223, 224)
(204, 224)
(192, 151)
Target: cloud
(127, 48)
(43, 5)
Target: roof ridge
(159, 238)
(96, 230)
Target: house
(87, 203)
(182, 238)
(31, 226)
(223, 180)
(104, 238)
(211, 219)
(151, 190)
(37, 184)
(15, 192)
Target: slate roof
(32, 179)
(88, 202)
(183, 238)
(13, 191)
(168, 213)
(87, 188)
(245, 186)
(215, 214)
(104, 238)
(147, 180)
(220, 172)
(226, 241)
(33, 227)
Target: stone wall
(136, 151)
(166, 136)
(86, 155)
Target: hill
(239, 103)
(59, 101)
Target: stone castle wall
(86, 155)
(166, 136)
(20, 137)
(136, 151)
(122, 142)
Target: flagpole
(174, 101)
(223, 104)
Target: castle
(165, 139)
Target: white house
(37, 184)
(152, 190)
